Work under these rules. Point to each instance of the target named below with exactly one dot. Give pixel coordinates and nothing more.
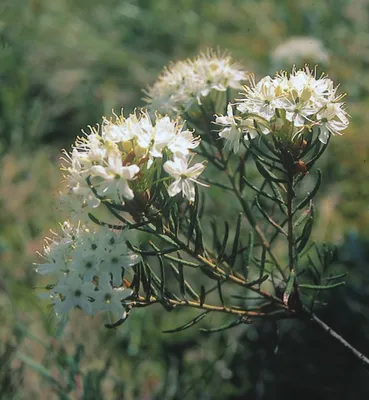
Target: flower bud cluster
(190, 81)
(288, 106)
(87, 264)
(122, 157)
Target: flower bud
(278, 124)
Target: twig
(224, 309)
(334, 334)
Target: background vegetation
(65, 63)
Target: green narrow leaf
(158, 283)
(266, 173)
(309, 143)
(315, 269)
(147, 285)
(157, 252)
(199, 242)
(289, 287)
(238, 297)
(262, 263)
(188, 287)
(321, 287)
(193, 216)
(181, 280)
(311, 194)
(182, 261)
(269, 161)
(263, 193)
(269, 219)
(159, 226)
(95, 220)
(248, 254)
(236, 240)
(162, 274)
(241, 168)
(216, 241)
(318, 254)
(277, 194)
(304, 214)
(223, 246)
(172, 224)
(224, 327)
(220, 293)
(162, 269)
(202, 295)
(304, 238)
(258, 281)
(333, 277)
(210, 273)
(263, 139)
(135, 285)
(320, 150)
(189, 324)
(117, 323)
(218, 184)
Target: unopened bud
(278, 124)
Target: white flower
(110, 300)
(187, 82)
(104, 163)
(74, 293)
(114, 254)
(85, 262)
(115, 177)
(120, 131)
(57, 257)
(57, 250)
(115, 259)
(185, 177)
(183, 142)
(332, 119)
(85, 257)
(261, 99)
(299, 112)
(293, 103)
(248, 126)
(232, 132)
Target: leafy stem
(290, 232)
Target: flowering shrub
(139, 171)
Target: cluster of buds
(88, 265)
(188, 83)
(287, 106)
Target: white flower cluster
(87, 265)
(120, 158)
(286, 105)
(185, 82)
(300, 49)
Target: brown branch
(141, 301)
(334, 334)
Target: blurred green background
(64, 64)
